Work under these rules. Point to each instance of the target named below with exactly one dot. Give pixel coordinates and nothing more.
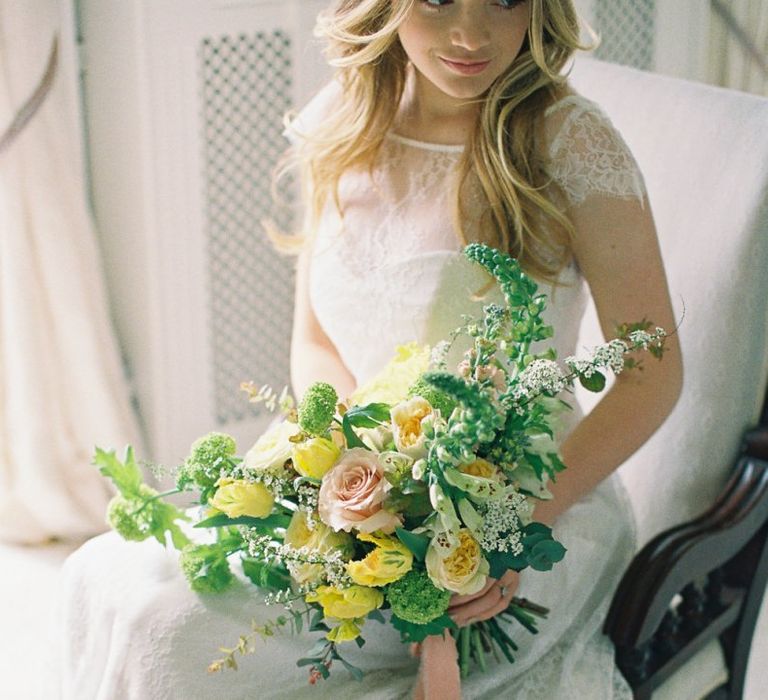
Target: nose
(469, 31)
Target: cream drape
(730, 64)
(61, 384)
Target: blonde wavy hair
(503, 151)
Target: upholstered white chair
(704, 154)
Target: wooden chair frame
(699, 581)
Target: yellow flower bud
(390, 561)
(346, 603)
(346, 631)
(314, 457)
(236, 498)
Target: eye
(509, 4)
(435, 4)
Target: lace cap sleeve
(587, 155)
(313, 113)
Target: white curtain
(61, 384)
(733, 61)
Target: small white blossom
(541, 376)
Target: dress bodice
(390, 270)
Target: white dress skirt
(390, 272)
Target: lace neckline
(426, 145)
(571, 99)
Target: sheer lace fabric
(388, 272)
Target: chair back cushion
(704, 154)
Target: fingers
(415, 650)
(495, 600)
(458, 600)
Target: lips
(465, 67)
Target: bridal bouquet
(381, 507)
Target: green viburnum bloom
(202, 468)
(414, 598)
(437, 399)
(206, 568)
(128, 517)
(317, 408)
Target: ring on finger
(503, 590)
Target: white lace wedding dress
(131, 628)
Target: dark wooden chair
(701, 581)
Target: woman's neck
(428, 114)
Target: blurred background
(137, 289)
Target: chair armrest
(697, 582)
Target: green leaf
(376, 616)
(126, 475)
(308, 661)
(270, 576)
(371, 415)
(223, 520)
(501, 562)
(418, 544)
(410, 632)
(350, 435)
(357, 674)
(595, 382)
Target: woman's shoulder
(585, 153)
(314, 112)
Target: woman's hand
(439, 672)
(490, 600)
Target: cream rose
(407, 420)
(272, 449)
(464, 571)
(352, 494)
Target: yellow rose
(272, 449)
(481, 468)
(390, 561)
(392, 383)
(463, 571)
(236, 498)
(314, 457)
(406, 426)
(321, 539)
(346, 603)
(346, 631)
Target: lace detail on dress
(588, 156)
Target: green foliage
(437, 399)
(317, 408)
(271, 576)
(208, 456)
(415, 600)
(223, 520)
(417, 543)
(125, 475)
(412, 632)
(371, 415)
(138, 512)
(595, 382)
(206, 568)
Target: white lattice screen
(185, 100)
(627, 31)
(246, 85)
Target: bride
(448, 121)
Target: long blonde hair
(503, 151)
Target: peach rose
(352, 494)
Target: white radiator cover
(184, 100)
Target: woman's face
(462, 46)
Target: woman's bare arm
(313, 356)
(617, 249)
